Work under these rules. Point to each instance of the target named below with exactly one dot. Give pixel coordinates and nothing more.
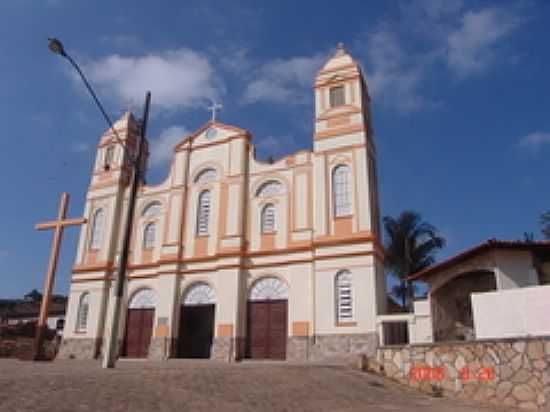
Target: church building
(233, 258)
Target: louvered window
(337, 96)
(83, 308)
(203, 213)
(109, 157)
(341, 190)
(344, 297)
(96, 235)
(268, 218)
(149, 236)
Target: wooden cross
(58, 226)
(214, 109)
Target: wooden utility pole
(58, 226)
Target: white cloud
(533, 141)
(237, 61)
(402, 55)
(177, 79)
(162, 147)
(281, 81)
(393, 75)
(471, 48)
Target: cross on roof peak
(214, 108)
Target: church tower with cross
(235, 258)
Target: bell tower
(112, 165)
(343, 137)
(341, 99)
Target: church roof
(341, 58)
(491, 244)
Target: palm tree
(411, 245)
(545, 222)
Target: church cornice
(329, 241)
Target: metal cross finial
(340, 46)
(214, 109)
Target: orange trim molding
(339, 131)
(225, 330)
(300, 328)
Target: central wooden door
(267, 329)
(139, 328)
(196, 331)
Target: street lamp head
(56, 46)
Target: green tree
(545, 223)
(411, 245)
(34, 296)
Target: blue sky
(460, 89)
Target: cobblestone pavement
(206, 386)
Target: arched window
(203, 213)
(143, 299)
(153, 209)
(96, 235)
(268, 218)
(344, 296)
(199, 293)
(83, 309)
(341, 190)
(268, 288)
(205, 176)
(271, 188)
(149, 236)
(109, 157)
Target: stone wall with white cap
(511, 372)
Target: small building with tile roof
(494, 265)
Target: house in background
(497, 289)
(15, 312)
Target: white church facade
(234, 258)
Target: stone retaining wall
(326, 347)
(81, 348)
(512, 372)
(11, 348)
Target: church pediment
(211, 132)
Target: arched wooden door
(267, 318)
(139, 324)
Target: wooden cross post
(58, 226)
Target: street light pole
(56, 46)
(110, 352)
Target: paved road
(206, 386)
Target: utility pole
(110, 353)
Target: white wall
(514, 268)
(419, 323)
(423, 330)
(513, 312)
